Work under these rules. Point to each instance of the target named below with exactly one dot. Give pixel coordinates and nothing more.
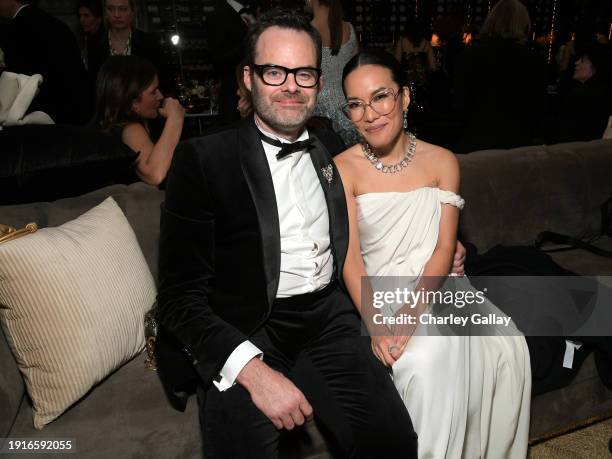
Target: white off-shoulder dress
(468, 396)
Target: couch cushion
(48, 162)
(74, 301)
(513, 195)
(125, 416)
(586, 263)
(11, 387)
(140, 204)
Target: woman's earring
(405, 119)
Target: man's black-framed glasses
(383, 103)
(276, 75)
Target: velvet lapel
(336, 202)
(259, 179)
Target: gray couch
(511, 196)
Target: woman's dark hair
(375, 57)
(334, 20)
(285, 19)
(120, 82)
(95, 6)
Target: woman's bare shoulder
(135, 136)
(133, 130)
(438, 158)
(431, 151)
(347, 162)
(348, 157)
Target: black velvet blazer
(219, 257)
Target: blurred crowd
(468, 91)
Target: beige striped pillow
(73, 300)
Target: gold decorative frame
(8, 233)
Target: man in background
(33, 42)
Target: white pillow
(73, 300)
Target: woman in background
(127, 98)
(415, 54)
(124, 39)
(468, 396)
(339, 45)
(500, 84)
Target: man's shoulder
(36, 16)
(328, 137)
(43, 27)
(220, 143)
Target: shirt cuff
(235, 363)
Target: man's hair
(285, 19)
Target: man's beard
(287, 122)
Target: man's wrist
(239, 357)
(250, 372)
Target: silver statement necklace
(126, 51)
(393, 168)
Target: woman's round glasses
(383, 103)
(276, 75)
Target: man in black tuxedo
(254, 233)
(33, 41)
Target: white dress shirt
(306, 258)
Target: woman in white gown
(468, 396)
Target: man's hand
(274, 395)
(459, 260)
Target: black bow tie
(287, 148)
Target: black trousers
(315, 340)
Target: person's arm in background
(154, 159)
(432, 65)
(566, 57)
(357, 45)
(399, 48)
